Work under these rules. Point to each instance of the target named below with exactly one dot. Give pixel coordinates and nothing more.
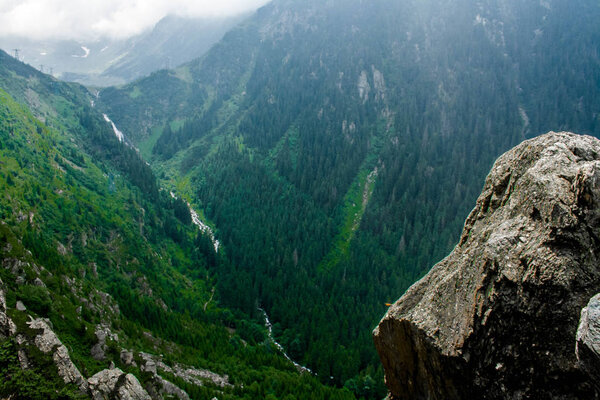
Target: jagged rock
(160, 386)
(193, 376)
(97, 352)
(115, 384)
(497, 318)
(197, 376)
(169, 389)
(38, 282)
(62, 250)
(363, 86)
(21, 354)
(14, 265)
(7, 326)
(127, 357)
(148, 363)
(47, 341)
(587, 346)
(102, 333)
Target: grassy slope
(58, 196)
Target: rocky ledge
(498, 318)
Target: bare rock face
(497, 319)
(7, 326)
(47, 341)
(127, 357)
(102, 333)
(168, 390)
(115, 384)
(588, 339)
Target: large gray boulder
(587, 347)
(497, 319)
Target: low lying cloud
(90, 19)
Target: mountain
(102, 62)
(107, 286)
(497, 318)
(172, 42)
(337, 146)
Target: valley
(250, 212)
(298, 102)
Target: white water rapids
(117, 132)
(269, 326)
(201, 225)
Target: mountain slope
(102, 62)
(337, 146)
(97, 258)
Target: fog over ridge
(93, 19)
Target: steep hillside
(337, 146)
(106, 284)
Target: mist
(112, 19)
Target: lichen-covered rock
(587, 346)
(498, 317)
(47, 341)
(115, 384)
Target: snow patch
(85, 50)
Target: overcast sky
(88, 19)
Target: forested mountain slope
(95, 255)
(338, 146)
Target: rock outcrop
(102, 333)
(7, 326)
(588, 340)
(497, 319)
(160, 387)
(47, 341)
(116, 384)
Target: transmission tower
(16, 53)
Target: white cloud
(86, 19)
